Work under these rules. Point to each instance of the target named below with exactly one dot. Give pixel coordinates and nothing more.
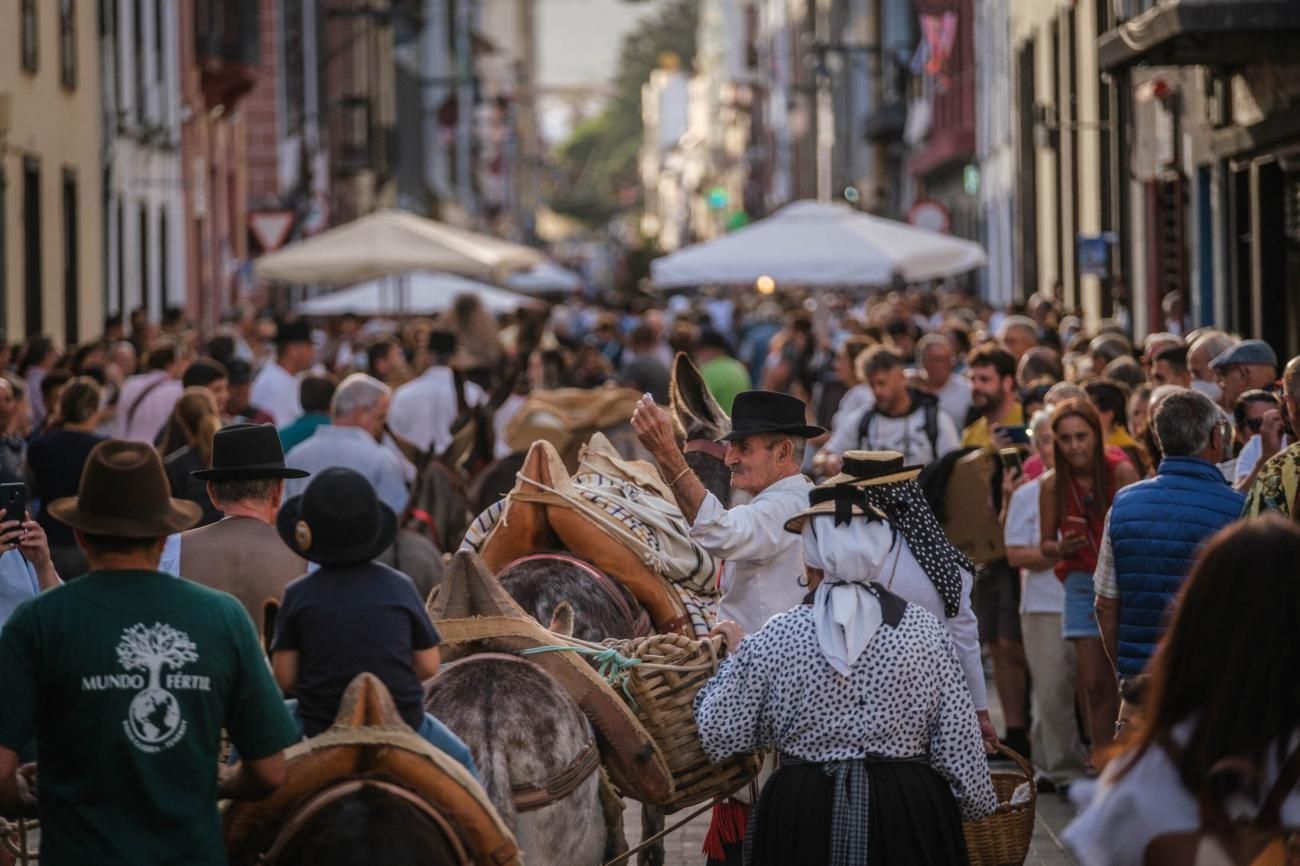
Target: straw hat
(865, 468)
(844, 495)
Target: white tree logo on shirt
(154, 720)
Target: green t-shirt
(725, 378)
(126, 678)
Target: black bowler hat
(295, 331)
(338, 520)
(247, 452)
(756, 412)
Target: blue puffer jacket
(1156, 530)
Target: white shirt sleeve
(744, 533)
(845, 436)
(1104, 582)
(949, 439)
(965, 633)
(1022, 528)
(171, 555)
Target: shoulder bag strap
(130, 413)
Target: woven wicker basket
(1002, 839)
(664, 704)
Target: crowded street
(657, 432)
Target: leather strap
(528, 798)
(1288, 776)
(333, 794)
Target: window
(146, 297)
(120, 221)
(137, 59)
(35, 320)
(68, 43)
(163, 241)
(30, 35)
(71, 267)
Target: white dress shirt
(424, 409)
(763, 564)
(1040, 590)
(276, 392)
(906, 435)
(352, 448)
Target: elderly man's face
(1019, 340)
(938, 362)
(758, 462)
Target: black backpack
(928, 403)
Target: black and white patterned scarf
(910, 514)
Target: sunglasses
(1254, 424)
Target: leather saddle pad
(369, 740)
(537, 517)
(474, 614)
(566, 418)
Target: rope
(656, 559)
(18, 847)
(610, 664)
(629, 854)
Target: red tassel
(727, 826)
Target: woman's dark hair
(315, 394)
(1254, 396)
(38, 349)
(1226, 658)
(1101, 492)
(1109, 396)
(202, 372)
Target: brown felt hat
(124, 492)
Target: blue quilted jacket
(1157, 528)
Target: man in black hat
(275, 389)
(764, 451)
(126, 678)
(424, 409)
(241, 554)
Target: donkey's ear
(693, 406)
(562, 620)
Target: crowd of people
(1123, 486)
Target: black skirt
(913, 817)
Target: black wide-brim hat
(247, 452)
(124, 493)
(338, 520)
(756, 412)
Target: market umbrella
(419, 294)
(391, 242)
(812, 243)
(543, 278)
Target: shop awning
(1203, 33)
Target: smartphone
(13, 499)
(1019, 435)
(1076, 526)
(1011, 462)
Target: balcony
(1214, 33)
(227, 47)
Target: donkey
(371, 826)
(524, 730)
(700, 422)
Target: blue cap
(1246, 352)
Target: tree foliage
(599, 159)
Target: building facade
(144, 262)
(51, 203)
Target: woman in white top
(1223, 691)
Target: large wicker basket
(1002, 839)
(662, 688)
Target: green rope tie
(609, 663)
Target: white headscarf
(846, 613)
